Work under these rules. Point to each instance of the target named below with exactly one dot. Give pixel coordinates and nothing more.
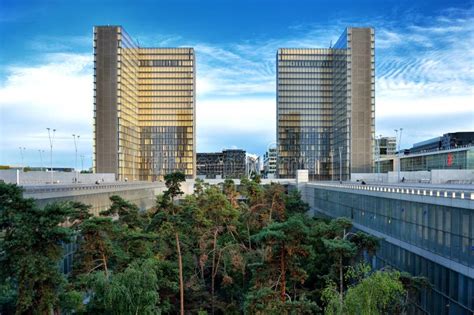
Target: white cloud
(57, 93)
(254, 115)
(423, 69)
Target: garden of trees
(250, 249)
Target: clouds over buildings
(424, 83)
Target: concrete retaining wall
(452, 176)
(40, 177)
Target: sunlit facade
(326, 108)
(144, 108)
(167, 112)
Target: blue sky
(424, 65)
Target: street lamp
(399, 140)
(22, 150)
(377, 152)
(340, 165)
(82, 162)
(75, 161)
(51, 140)
(41, 158)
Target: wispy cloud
(57, 93)
(425, 71)
(424, 83)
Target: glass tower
(144, 108)
(326, 108)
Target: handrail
(52, 189)
(408, 190)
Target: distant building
(253, 165)
(210, 165)
(144, 107)
(234, 163)
(387, 146)
(225, 164)
(447, 141)
(450, 159)
(270, 163)
(326, 108)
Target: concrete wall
(40, 178)
(369, 177)
(143, 194)
(452, 176)
(410, 177)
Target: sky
(424, 66)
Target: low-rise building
(270, 163)
(225, 164)
(447, 141)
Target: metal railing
(420, 191)
(89, 187)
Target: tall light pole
(399, 139)
(377, 147)
(82, 162)
(41, 158)
(22, 150)
(76, 137)
(332, 164)
(340, 165)
(51, 140)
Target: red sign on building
(450, 159)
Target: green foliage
(223, 249)
(31, 248)
(294, 203)
(127, 212)
(133, 291)
(380, 292)
(8, 296)
(173, 183)
(265, 301)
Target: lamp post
(340, 165)
(332, 164)
(399, 139)
(82, 162)
(41, 158)
(51, 140)
(75, 137)
(377, 152)
(22, 150)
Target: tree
(274, 196)
(380, 292)
(128, 213)
(133, 291)
(284, 246)
(173, 183)
(345, 246)
(31, 248)
(95, 246)
(231, 192)
(294, 203)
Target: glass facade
(166, 112)
(452, 292)
(225, 164)
(144, 106)
(325, 107)
(444, 231)
(449, 159)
